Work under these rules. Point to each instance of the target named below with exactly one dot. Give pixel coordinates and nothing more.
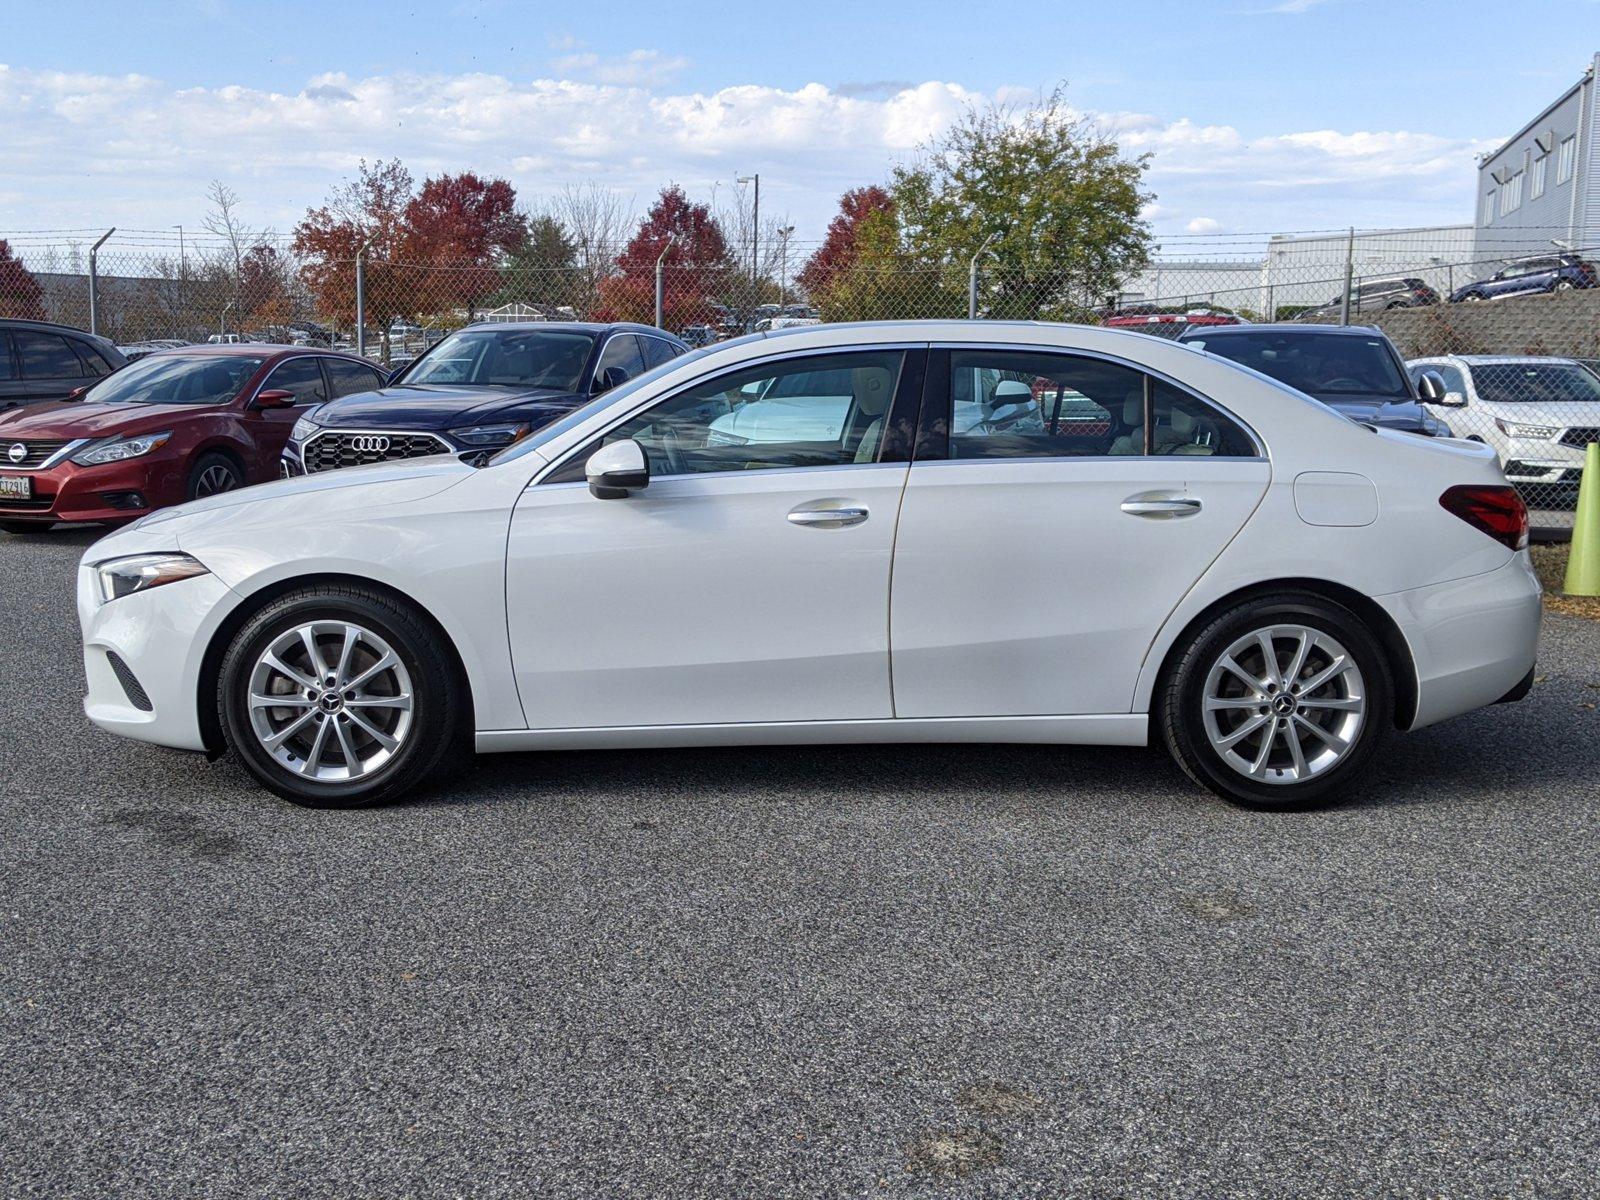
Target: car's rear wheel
(1563, 285)
(342, 697)
(1278, 703)
(214, 473)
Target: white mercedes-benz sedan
(906, 532)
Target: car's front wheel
(214, 473)
(1278, 703)
(342, 697)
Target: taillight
(1495, 509)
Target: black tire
(1562, 285)
(437, 740)
(1179, 709)
(211, 475)
(26, 528)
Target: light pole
(783, 265)
(755, 229)
(183, 269)
(972, 277)
(661, 286)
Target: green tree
(883, 281)
(543, 269)
(1059, 198)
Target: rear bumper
(1472, 640)
(107, 494)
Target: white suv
(1537, 413)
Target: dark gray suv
(40, 361)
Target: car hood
(68, 420)
(1382, 411)
(438, 406)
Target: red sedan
(174, 426)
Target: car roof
(574, 327)
(253, 350)
(49, 326)
(1221, 331)
(1481, 360)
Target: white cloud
(1203, 225)
(133, 151)
(637, 68)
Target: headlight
(303, 429)
(140, 572)
(491, 435)
(120, 449)
(1516, 430)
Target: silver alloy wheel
(1284, 703)
(215, 478)
(330, 701)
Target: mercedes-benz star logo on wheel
(369, 444)
(17, 453)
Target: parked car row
(185, 423)
(1093, 538)
(1531, 275)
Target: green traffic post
(1583, 567)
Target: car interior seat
(870, 389)
(1131, 442)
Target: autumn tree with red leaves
(465, 227)
(698, 266)
(840, 248)
(264, 297)
(21, 297)
(370, 210)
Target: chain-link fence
(1514, 339)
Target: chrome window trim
(583, 438)
(1260, 444)
(54, 460)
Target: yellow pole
(1583, 568)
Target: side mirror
(275, 398)
(617, 470)
(1430, 387)
(77, 393)
(609, 378)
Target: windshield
(1536, 383)
(177, 379)
(1319, 364)
(507, 357)
(578, 416)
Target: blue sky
(1259, 114)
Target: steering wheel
(672, 452)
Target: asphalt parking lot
(962, 971)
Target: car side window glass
(348, 378)
(301, 376)
(6, 372)
(46, 356)
(1027, 404)
(1187, 426)
(621, 351)
(93, 364)
(817, 411)
(658, 351)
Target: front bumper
(160, 638)
(1472, 640)
(107, 494)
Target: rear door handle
(827, 518)
(1160, 509)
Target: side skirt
(1121, 729)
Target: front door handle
(1161, 508)
(827, 518)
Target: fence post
(94, 290)
(972, 277)
(1349, 272)
(361, 301)
(660, 284)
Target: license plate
(16, 487)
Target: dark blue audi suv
(481, 388)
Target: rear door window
(348, 377)
(47, 356)
(658, 351)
